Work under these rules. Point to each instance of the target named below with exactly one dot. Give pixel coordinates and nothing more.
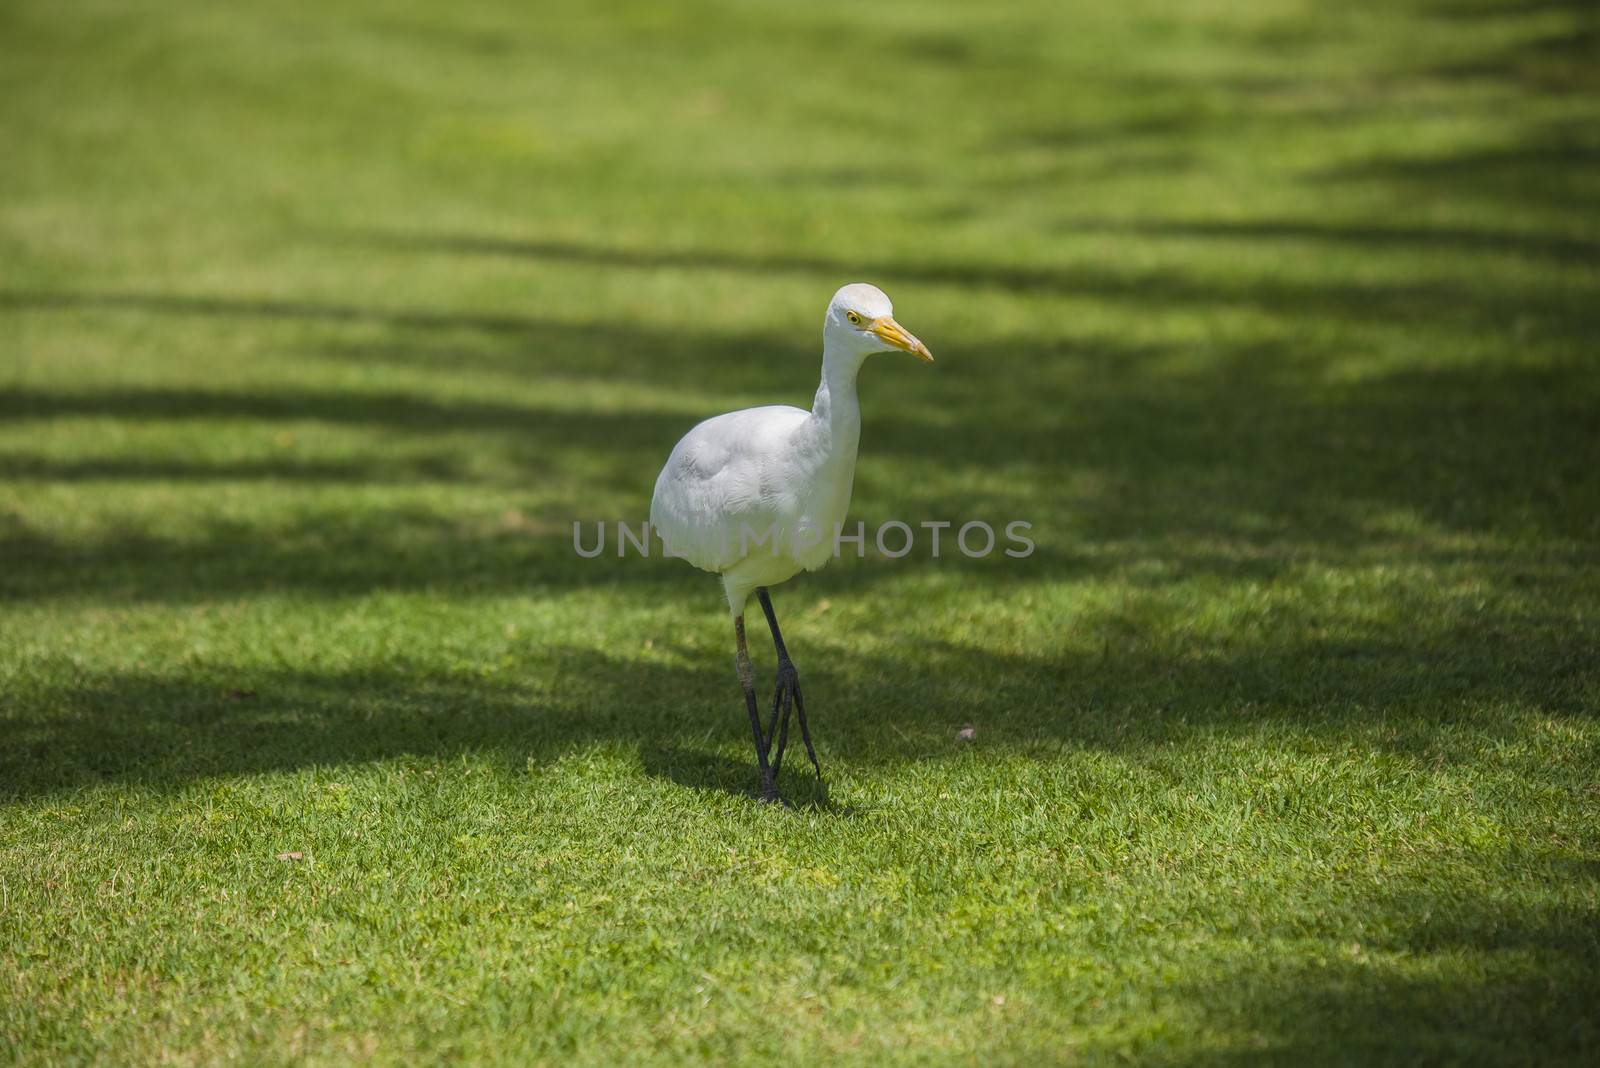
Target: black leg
(747, 681)
(805, 728)
(782, 698)
(788, 691)
(772, 726)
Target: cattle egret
(758, 495)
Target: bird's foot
(771, 796)
(787, 697)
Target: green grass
(320, 324)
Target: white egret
(758, 495)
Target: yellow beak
(896, 336)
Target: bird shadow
(716, 771)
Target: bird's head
(861, 322)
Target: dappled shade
(1277, 327)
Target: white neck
(836, 407)
(837, 416)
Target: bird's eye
(855, 320)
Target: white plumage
(758, 495)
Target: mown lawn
(321, 323)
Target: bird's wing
(723, 478)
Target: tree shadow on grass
(1485, 985)
(1232, 469)
(1240, 468)
(162, 731)
(1228, 475)
(1460, 302)
(1429, 691)
(1561, 248)
(1544, 61)
(543, 448)
(451, 339)
(1230, 472)
(1455, 981)
(24, 467)
(1550, 165)
(230, 307)
(1482, 302)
